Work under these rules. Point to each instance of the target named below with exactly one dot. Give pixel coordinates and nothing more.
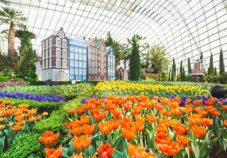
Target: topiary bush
(41, 106)
(24, 146)
(57, 119)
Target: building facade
(97, 60)
(55, 57)
(78, 57)
(110, 63)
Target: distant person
(49, 82)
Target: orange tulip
(77, 156)
(182, 140)
(224, 107)
(199, 131)
(85, 119)
(206, 122)
(151, 118)
(135, 151)
(82, 142)
(71, 111)
(180, 129)
(76, 131)
(17, 127)
(49, 138)
(88, 129)
(31, 119)
(45, 113)
(128, 134)
(105, 127)
(105, 151)
(225, 123)
(54, 153)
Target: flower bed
(68, 91)
(137, 126)
(5, 84)
(31, 96)
(150, 89)
(16, 120)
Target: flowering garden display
(151, 89)
(5, 84)
(112, 120)
(138, 126)
(16, 120)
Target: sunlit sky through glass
(183, 27)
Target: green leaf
(195, 148)
(65, 152)
(118, 141)
(117, 154)
(2, 140)
(225, 144)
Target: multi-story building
(77, 58)
(97, 60)
(55, 57)
(110, 63)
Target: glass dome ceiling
(184, 27)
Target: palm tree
(157, 57)
(15, 19)
(125, 54)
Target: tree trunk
(11, 41)
(11, 50)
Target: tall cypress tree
(211, 67)
(189, 66)
(173, 74)
(183, 75)
(134, 62)
(181, 70)
(221, 63)
(215, 71)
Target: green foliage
(24, 146)
(189, 66)
(14, 18)
(41, 106)
(156, 57)
(174, 69)
(211, 67)
(181, 71)
(32, 77)
(116, 47)
(26, 52)
(134, 63)
(3, 78)
(57, 119)
(69, 91)
(221, 63)
(5, 63)
(55, 122)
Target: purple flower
(30, 96)
(83, 100)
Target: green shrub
(18, 79)
(25, 146)
(41, 106)
(69, 91)
(57, 119)
(3, 79)
(55, 122)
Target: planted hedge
(40, 106)
(68, 91)
(57, 118)
(24, 146)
